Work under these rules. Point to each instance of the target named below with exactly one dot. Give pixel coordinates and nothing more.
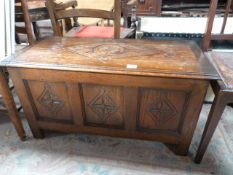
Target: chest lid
(180, 59)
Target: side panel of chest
(115, 105)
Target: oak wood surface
(151, 90)
(134, 57)
(99, 103)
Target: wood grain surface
(151, 90)
(134, 57)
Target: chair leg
(211, 124)
(36, 30)
(17, 39)
(68, 24)
(27, 21)
(11, 107)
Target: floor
(70, 154)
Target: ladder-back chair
(209, 36)
(32, 11)
(223, 62)
(22, 15)
(57, 14)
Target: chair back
(21, 9)
(209, 36)
(58, 12)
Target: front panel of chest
(120, 103)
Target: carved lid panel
(181, 59)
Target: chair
(223, 89)
(22, 15)
(30, 12)
(57, 14)
(208, 37)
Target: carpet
(80, 154)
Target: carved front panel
(161, 109)
(51, 100)
(151, 108)
(103, 105)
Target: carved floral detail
(114, 50)
(162, 109)
(103, 105)
(50, 100)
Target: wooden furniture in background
(56, 14)
(146, 7)
(223, 61)
(32, 11)
(107, 5)
(123, 88)
(22, 15)
(10, 105)
(208, 37)
(143, 8)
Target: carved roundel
(110, 49)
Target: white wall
(183, 25)
(2, 30)
(6, 28)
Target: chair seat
(223, 62)
(98, 32)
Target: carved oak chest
(150, 90)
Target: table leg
(11, 107)
(211, 124)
